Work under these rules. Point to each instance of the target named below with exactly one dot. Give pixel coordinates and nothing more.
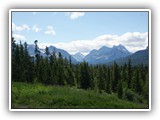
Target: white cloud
(25, 27)
(35, 28)
(132, 41)
(19, 37)
(50, 30)
(75, 15)
(20, 28)
(13, 26)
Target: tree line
(126, 81)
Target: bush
(132, 96)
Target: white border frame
(80, 10)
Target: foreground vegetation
(40, 96)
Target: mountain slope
(64, 53)
(139, 57)
(106, 54)
(79, 57)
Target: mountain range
(139, 57)
(104, 55)
(52, 49)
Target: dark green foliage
(22, 66)
(138, 87)
(28, 65)
(85, 80)
(133, 96)
(129, 73)
(115, 77)
(47, 51)
(129, 95)
(70, 76)
(108, 82)
(120, 89)
(127, 82)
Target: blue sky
(81, 31)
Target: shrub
(131, 96)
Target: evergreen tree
(13, 45)
(70, 76)
(28, 65)
(101, 84)
(36, 47)
(120, 89)
(16, 64)
(146, 88)
(138, 86)
(53, 67)
(13, 64)
(47, 52)
(115, 77)
(70, 61)
(108, 89)
(21, 62)
(92, 74)
(60, 72)
(96, 88)
(124, 76)
(37, 69)
(78, 75)
(129, 73)
(85, 77)
(37, 52)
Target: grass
(35, 96)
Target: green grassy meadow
(35, 96)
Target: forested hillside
(127, 82)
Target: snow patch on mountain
(106, 54)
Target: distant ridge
(137, 58)
(79, 57)
(64, 53)
(106, 54)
